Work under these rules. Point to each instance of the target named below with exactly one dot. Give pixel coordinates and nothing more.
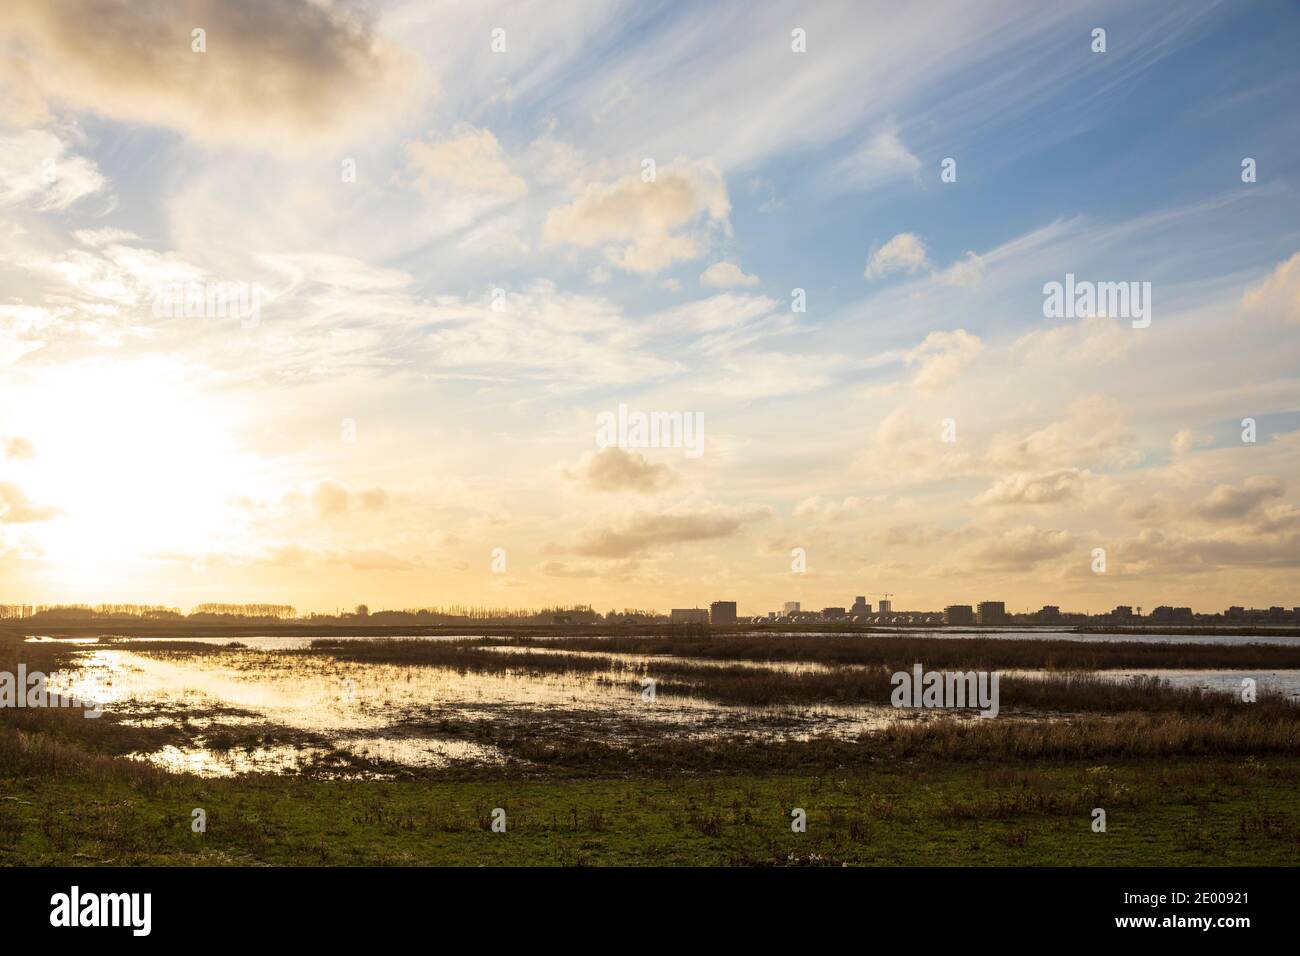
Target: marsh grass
(938, 652)
(854, 683)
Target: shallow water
(260, 709)
(280, 642)
(1285, 682)
(393, 712)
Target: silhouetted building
(992, 612)
(722, 612)
(688, 615)
(1050, 614)
(886, 607)
(958, 614)
(832, 613)
(791, 607)
(860, 606)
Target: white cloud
(1093, 340)
(470, 159)
(1023, 488)
(941, 358)
(903, 253)
(882, 158)
(725, 274)
(1278, 296)
(965, 273)
(36, 169)
(646, 226)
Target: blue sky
(514, 177)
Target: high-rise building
(722, 612)
(991, 612)
(886, 607)
(791, 607)
(959, 614)
(860, 606)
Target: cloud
(645, 226)
(471, 159)
(374, 561)
(881, 158)
(1188, 439)
(558, 569)
(724, 274)
(649, 532)
(903, 253)
(965, 273)
(290, 74)
(772, 374)
(19, 449)
(1093, 340)
(15, 508)
(818, 508)
(1227, 503)
(941, 357)
(1024, 488)
(332, 498)
(1092, 433)
(1278, 296)
(36, 170)
(616, 469)
(1025, 547)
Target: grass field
(1203, 812)
(1183, 780)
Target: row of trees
(452, 614)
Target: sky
(437, 244)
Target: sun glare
(141, 463)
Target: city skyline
(627, 298)
(790, 609)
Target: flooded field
(360, 706)
(305, 706)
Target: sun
(139, 461)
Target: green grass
(1190, 811)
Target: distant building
(832, 613)
(688, 615)
(992, 612)
(791, 607)
(860, 606)
(959, 614)
(15, 611)
(722, 612)
(1171, 615)
(886, 607)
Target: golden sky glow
(460, 265)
